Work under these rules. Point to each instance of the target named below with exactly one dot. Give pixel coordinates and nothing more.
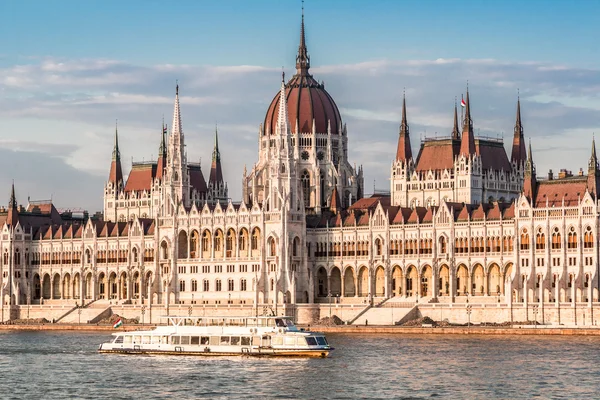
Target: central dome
(307, 100)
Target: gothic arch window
(540, 240)
(572, 239)
(588, 238)
(306, 188)
(524, 240)
(556, 239)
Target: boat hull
(307, 353)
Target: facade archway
(426, 281)
(444, 281)
(380, 282)
(182, 245)
(194, 244)
(412, 280)
(462, 280)
(349, 287)
(37, 287)
(56, 286)
(494, 280)
(66, 286)
(47, 287)
(397, 278)
(363, 282)
(336, 282)
(478, 288)
(322, 288)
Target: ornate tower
(403, 165)
(217, 188)
(467, 167)
(114, 185)
(177, 183)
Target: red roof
(571, 190)
(140, 178)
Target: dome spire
(404, 152)
(518, 154)
(455, 130)
(302, 59)
(467, 145)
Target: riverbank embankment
(345, 329)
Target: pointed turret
(529, 184)
(593, 171)
(116, 173)
(455, 128)
(518, 154)
(176, 126)
(216, 174)
(467, 145)
(283, 124)
(13, 213)
(334, 205)
(302, 59)
(162, 152)
(404, 152)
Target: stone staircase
(387, 315)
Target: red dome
(307, 99)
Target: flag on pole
(462, 102)
(118, 323)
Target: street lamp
(79, 314)
(329, 296)
(143, 312)
(469, 310)
(535, 311)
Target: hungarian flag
(164, 129)
(118, 323)
(462, 102)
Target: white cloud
(65, 110)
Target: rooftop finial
(302, 59)
(177, 87)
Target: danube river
(58, 365)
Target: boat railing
(244, 321)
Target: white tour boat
(222, 336)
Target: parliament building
(464, 223)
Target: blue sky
(68, 69)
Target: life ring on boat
(280, 330)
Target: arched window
(182, 286)
(442, 244)
(572, 239)
(524, 240)
(272, 247)
(322, 181)
(255, 238)
(205, 241)
(205, 285)
(218, 285)
(306, 188)
(378, 246)
(556, 239)
(540, 240)
(230, 285)
(588, 238)
(243, 285)
(194, 285)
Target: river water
(59, 365)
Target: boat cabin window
(245, 341)
(185, 340)
(127, 339)
(214, 340)
(195, 340)
(119, 339)
(175, 339)
(277, 341)
(235, 340)
(302, 341)
(137, 339)
(256, 340)
(224, 339)
(145, 339)
(322, 341)
(155, 339)
(204, 340)
(311, 341)
(289, 341)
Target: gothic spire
(302, 59)
(162, 152)
(176, 126)
(529, 184)
(404, 152)
(282, 127)
(467, 145)
(455, 129)
(116, 173)
(216, 173)
(593, 171)
(518, 154)
(13, 214)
